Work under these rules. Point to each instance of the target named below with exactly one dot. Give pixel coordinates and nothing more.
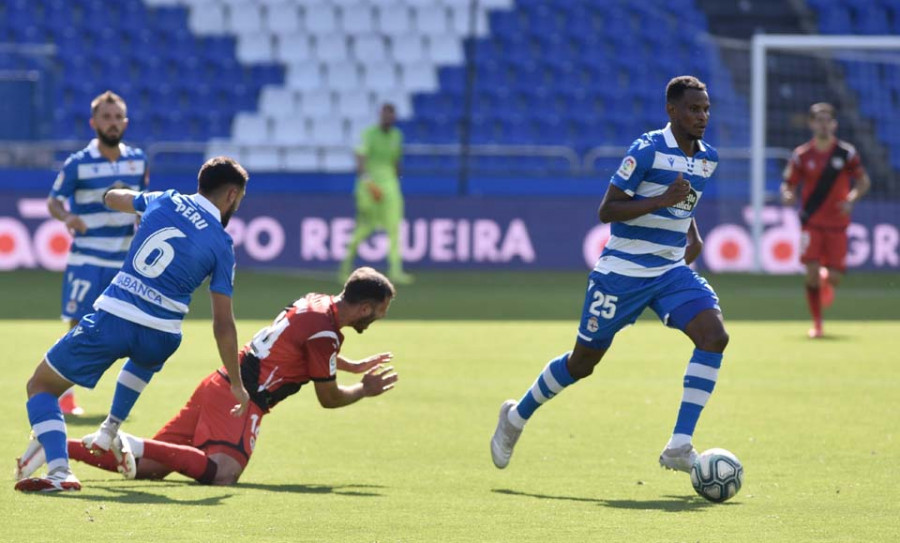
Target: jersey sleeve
(634, 166)
(144, 199)
(854, 164)
(322, 349)
(221, 279)
(793, 174)
(66, 181)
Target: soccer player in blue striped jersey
(180, 242)
(650, 206)
(101, 236)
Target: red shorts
(207, 424)
(827, 246)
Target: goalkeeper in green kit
(379, 202)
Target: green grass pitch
(815, 423)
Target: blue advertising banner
(297, 231)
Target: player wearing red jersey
(205, 442)
(831, 179)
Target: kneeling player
(205, 442)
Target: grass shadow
(341, 490)
(84, 420)
(670, 504)
(132, 496)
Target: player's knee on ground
(228, 470)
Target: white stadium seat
(221, 147)
(380, 76)
(261, 159)
(305, 76)
(301, 160)
(244, 18)
(446, 49)
(207, 18)
(354, 104)
(328, 131)
(369, 48)
(277, 101)
(290, 130)
(420, 77)
(460, 20)
(255, 48)
(341, 76)
(331, 48)
(394, 20)
(431, 19)
(249, 128)
(293, 48)
(357, 19)
(355, 128)
(283, 19)
(317, 104)
(338, 160)
(407, 49)
(321, 20)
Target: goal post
(761, 46)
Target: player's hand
(374, 190)
(75, 224)
(364, 365)
(243, 398)
(846, 207)
(378, 380)
(788, 197)
(676, 192)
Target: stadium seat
(327, 132)
(283, 19)
(293, 49)
(321, 20)
(317, 104)
(369, 48)
(357, 19)
(305, 76)
(277, 101)
(393, 20)
(255, 48)
(290, 130)
(331, 48)
(380, 77)
(207, 18)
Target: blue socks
(699, 382)
(131, 382)
(49, 428)
(549, 383)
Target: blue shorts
(85, 353)
(81, 286)
(615, 301)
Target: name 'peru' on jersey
(301, 345)
(181, 242)
(84, 178)
(649, 245)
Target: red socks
(185, 460)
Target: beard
(227, 215)
(110, 141)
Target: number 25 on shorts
(604, 305)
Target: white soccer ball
(717, 475)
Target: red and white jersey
(806, 168)
(301, 345)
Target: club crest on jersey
(593, 325)
(704, 167)
(837, 163)
(627, 167)
(683, 209)
(332, 363)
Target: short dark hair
(679, 85)
(822, 107)
(367, 285)
(219, 172)
(390, 106)
(107, 97)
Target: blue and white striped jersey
(85, 176)
(651, 244)
(179, 243)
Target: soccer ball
(717, 475)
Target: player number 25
(155, 254)
(603, 305)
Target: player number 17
(604, 305)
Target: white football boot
(101, 441)
(679, 458)
(31, 459)
(58, 480)
(505, 436)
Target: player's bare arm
(225, 333)
(120, 200)
(364, 365)
(375, 382)
(618, 206)
(861, 186)
(694, 243)
(57, 209)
